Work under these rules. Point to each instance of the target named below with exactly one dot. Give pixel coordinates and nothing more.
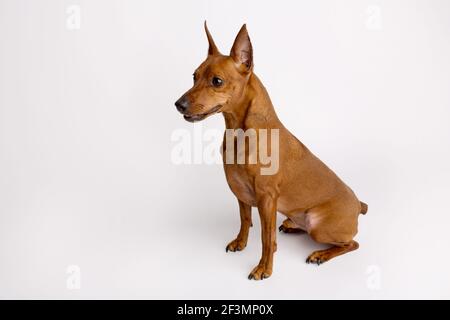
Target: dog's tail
(364, 207)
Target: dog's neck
(254, 110)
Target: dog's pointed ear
(242, 51)
(212, 50)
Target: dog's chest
(240, 182)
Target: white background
(86, 176)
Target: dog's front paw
(260, 272)
(236, 245)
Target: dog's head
(219, 82)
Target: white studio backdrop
(93, 206)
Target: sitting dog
(304, 189)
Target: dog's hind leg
(336, 225)
(322, 256)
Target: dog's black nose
(182, 104)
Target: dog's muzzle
(201, 116)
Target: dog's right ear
(212, 50)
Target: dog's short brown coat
(304, 189)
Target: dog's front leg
(240, 242)
(267, 207)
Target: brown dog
(304, 189)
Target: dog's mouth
(201, 116)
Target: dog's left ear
(242, 51)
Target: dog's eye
(217, 82)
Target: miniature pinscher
(311, 196)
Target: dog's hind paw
(236, 245)
(288, 226)
(317, 257)
(283, 228)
